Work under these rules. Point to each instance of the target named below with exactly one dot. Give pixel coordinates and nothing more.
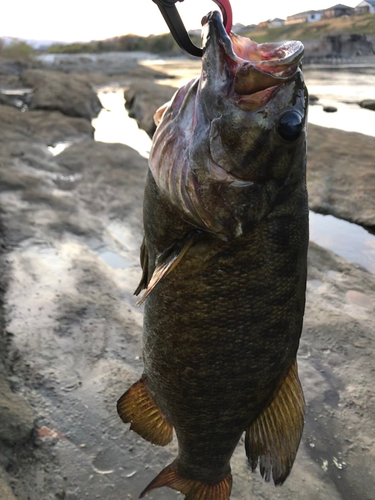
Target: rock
(16, 417)
(39, 126)
(329, 109)
(55, 91)
(18, 101)
(6, 492)
(313, 99)
(142, 99)
(340, 174)
(368, 104)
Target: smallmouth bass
(224, 262)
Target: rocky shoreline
(70, 338)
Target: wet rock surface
(340, 174)
(73, 344)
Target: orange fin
(144, 264)
(193, 489)
(274, 437)
(138, 407)
(168, 260)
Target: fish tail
(274, 437)
(193, 489)
(138, 407)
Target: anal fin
(274, 437)
(137, 407)
(193, 489)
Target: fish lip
(252, 67)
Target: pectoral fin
(273, 438)
(168, 260)
(138, 407)
(144, 264)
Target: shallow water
(114, 125)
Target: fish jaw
(237, 66)
(208, 154)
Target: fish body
(224, 267)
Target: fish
(224, 261)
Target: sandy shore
(70, 342)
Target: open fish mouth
(255, 70)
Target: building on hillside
(366, 7)
(263, 24)
(338, 11)
(241, 28)
(309, 16)
(276, 23)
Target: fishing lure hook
(177, 28)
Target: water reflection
(348, 240)
(114, 125)
(342, 88)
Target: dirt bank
(72, 337)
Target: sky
(83, 20)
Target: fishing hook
(177, 28)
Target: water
(348, 240)
(342, 88)
(114, 125)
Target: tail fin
(138, 407)
(274, 437)
(193, 489)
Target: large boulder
(340, 174)
(67, 93)
(40, 126)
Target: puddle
(113, 124)
(59, 147)
(16, 92)
(114, 260)
(350, 241)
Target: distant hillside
(347, 25)
(165, 44)
(158, 44)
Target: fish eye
(290, 125)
